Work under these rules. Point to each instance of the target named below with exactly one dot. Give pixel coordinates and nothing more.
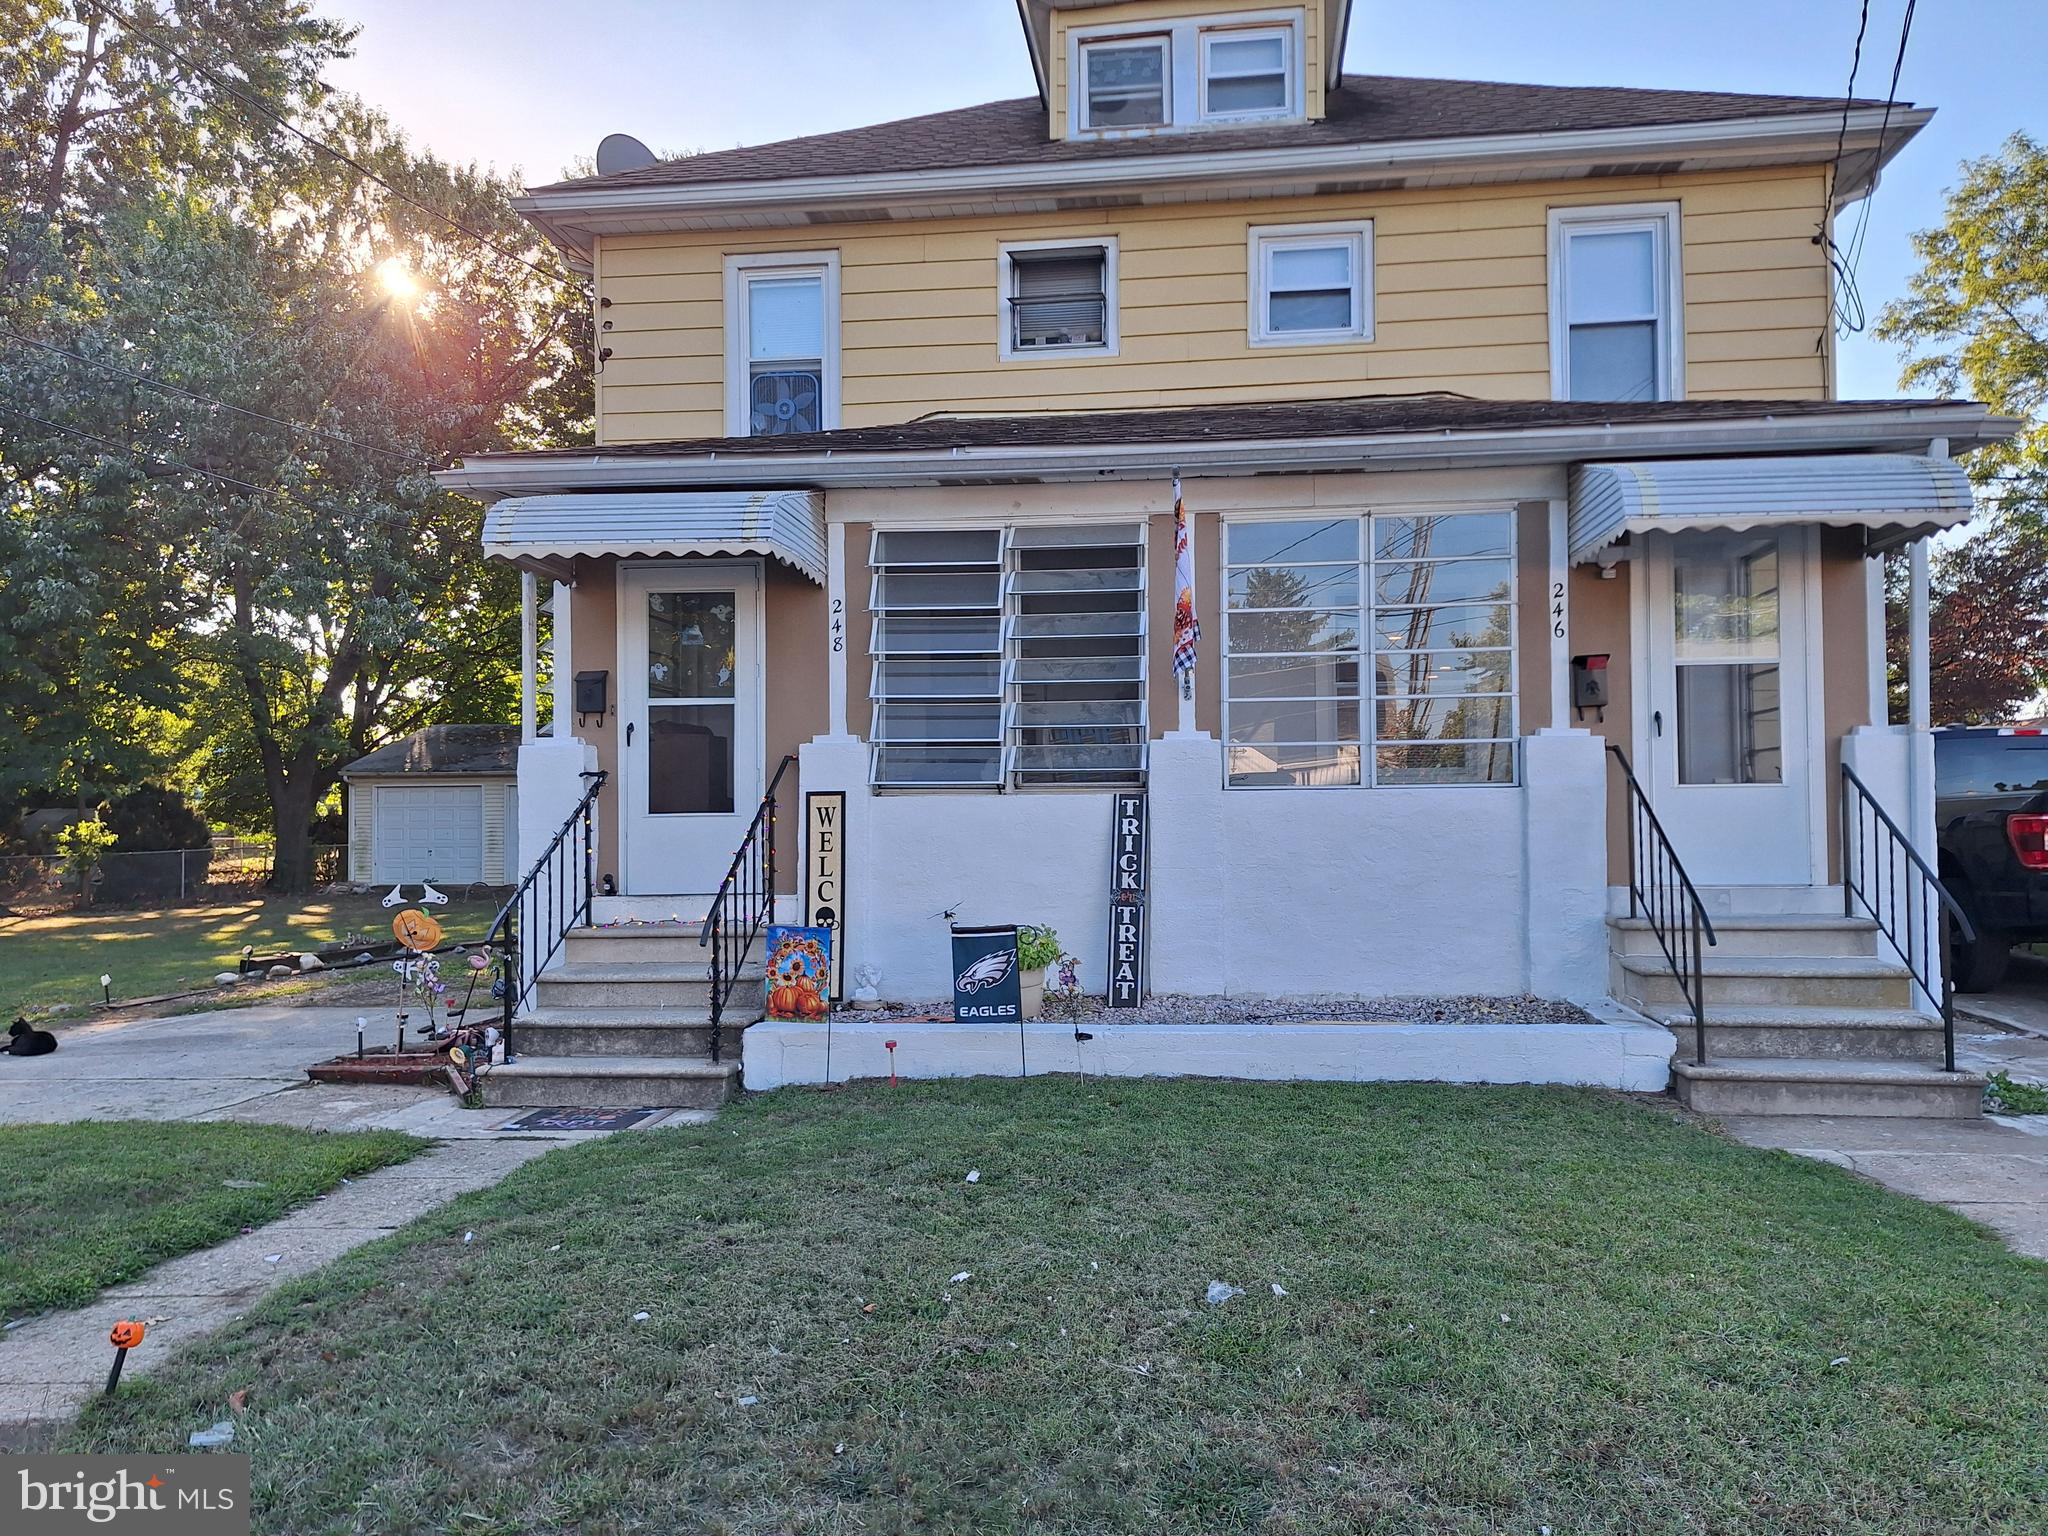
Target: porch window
(1615, 303)
(1008, 659)
(1424, 602)
(782, 344)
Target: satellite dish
(622, 152)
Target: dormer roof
(1037, 18)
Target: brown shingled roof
(1354, 416)
(1366, 109)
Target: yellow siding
(1460, 283)
(1139, 13)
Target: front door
(1725, 736)
(689, 708)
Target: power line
(131, 453)
(1883, 127)
(210, 400)
(1848, 305)
(149, 34)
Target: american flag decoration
(1187, 630)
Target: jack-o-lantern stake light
(124, 1336)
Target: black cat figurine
(24, 1041)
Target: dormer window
(1126, 83)
(1210, 71)
(1245, 74)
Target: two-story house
(1486, 403)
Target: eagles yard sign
(1127, 901)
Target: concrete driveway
(2021, 1003)
(234, 1064)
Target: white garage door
(429, 832)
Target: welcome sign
(825, 875)
(1127, 850)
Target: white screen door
(1725, 733)
(690, 711)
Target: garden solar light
(106, 986)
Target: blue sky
(518, 85)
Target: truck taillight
(2029, 838)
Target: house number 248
(838, 625)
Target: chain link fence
(231, 867)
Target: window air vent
(1098, 200)
(1381, 184)
(849, 216)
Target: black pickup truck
(1991, 826)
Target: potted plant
(1037, 947)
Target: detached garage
(440, 805)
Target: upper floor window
(1311, 283)
(1615, 303)
(782, 343)
(1126, 82)
(1205, 70)
(1059, 296)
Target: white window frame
(1116, 38)
(1262, 240)
(738, 272)
(1368, 694)
(1186, 41)
(1661, 222)
(1290, 72)
(1006, 285)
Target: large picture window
(1370, 650)
(1008, 659)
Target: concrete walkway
(236, 1064)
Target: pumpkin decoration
(126, 1334)
(416, 930)
(799, 964)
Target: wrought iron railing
(745, 903)
(1660, 892)
(552, 899)
(1884, 871)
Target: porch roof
(538, 532)
(1899, 497)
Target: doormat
(579, 1119)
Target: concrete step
(1872, 1034)
(635, 1031)
(635, 984)
(1792, 934)
(1753, 1085)
(612, 1082)
(1819, 981)
(617, 946)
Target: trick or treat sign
(799, 974)
(1127, 902)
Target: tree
(1975, 320)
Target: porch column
(1919, 705)
(835, 602)
(1555, 601)
(565, 680)
(529, 652)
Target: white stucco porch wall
(1372, 892)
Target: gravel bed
(1170, 1009)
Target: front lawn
(59, 957)
(90, 1204)
(1505, 1309)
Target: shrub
(1038, 948)
(151, 819)
(82, 844)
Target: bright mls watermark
(162, 1495)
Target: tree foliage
(219, 535)
(1975, 322)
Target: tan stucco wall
(1599, 623)
(1459, 275)
(594, 644)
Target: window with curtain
(1370, 650)
(1008, 659)
(1059, 299)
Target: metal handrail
(744, 903)
(1658, 892)
(552, 889)
(1867, 883)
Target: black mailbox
(590, 694)
(1589, 684)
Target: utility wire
(132, 453)
(210, 400)
(1883, 127)
(1848, 307)
(148, 34)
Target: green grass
(89, 1205)
(1507, 1308)
(59, 958)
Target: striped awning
(1900, 497)
(542, 531)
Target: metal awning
(1900, 497)
(539, 532)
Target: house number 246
(1557, 609)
